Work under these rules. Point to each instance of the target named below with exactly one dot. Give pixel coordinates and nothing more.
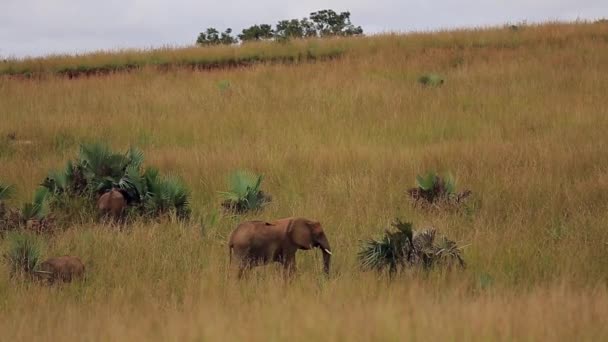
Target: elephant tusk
(43, 272)
(327, 251)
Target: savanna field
(520, 120)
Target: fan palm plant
(38, 208)
(392, 250)
(165, 195)
(406, 248)
(245, 192)
(433, 190)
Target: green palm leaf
(426, 182)
(6, 191)
(245, 192)
(38, 208)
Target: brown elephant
(259, 243)
(64, 268)
(112, 203)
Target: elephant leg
(244, 267)
(289, 267)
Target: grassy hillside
(520, 120)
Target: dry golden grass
(521, 121)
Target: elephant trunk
(326, 261)
(324, 245)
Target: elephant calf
(112, 203)
(64, 268)
(259, 243)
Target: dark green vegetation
(165, 60)
(98, 169)
(406, 248)
(323, 23)
(435, 191)
(245, 193)
(433, 80)
(69, 196)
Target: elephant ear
(300, 232)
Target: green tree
(308, 28)
(286, 29)
(257, 32)
(226, 38)
(212, 36)
(329, 23)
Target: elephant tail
(230, 254)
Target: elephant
(64, 268)
(112, 203)
(259, 243)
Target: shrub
(23, 253)
(165, 195)
(245, 193)
(433, 80)
(405, 248)
(433, 191)
(35, 214)
(98, 169)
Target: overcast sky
(41, 27)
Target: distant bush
(406, 248)
(245, 193)
(433, 80)
(433, 191)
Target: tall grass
(520, 121)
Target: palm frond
(133, 184)
(38, 208)
(6, 191)
(245, 192)
(135, 157)
(165, 195)
(426, 182)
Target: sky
(43, 27)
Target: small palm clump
(23, 253)
(245, 193)
(432, 80)
(405, 248)
(435, 191)
(164, 195)
(35, 215)
(6, 191)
